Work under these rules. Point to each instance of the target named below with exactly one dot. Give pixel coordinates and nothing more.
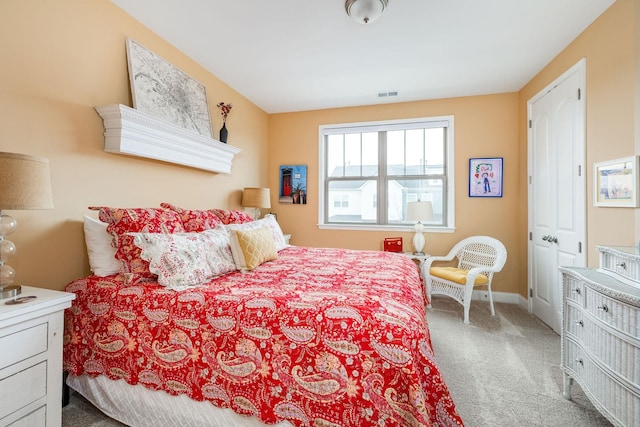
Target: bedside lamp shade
(419, 212)
(257, 198)
(25, 183)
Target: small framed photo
(615, 183)
(485, 177)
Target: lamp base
(10, 291)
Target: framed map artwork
(160, 89)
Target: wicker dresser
(601, 333)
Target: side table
(31, 357)
(420, 260)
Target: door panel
(556, 191)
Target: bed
(309, 337)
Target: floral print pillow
(123, 221)
(232, 216)
(195, 220)
(186, 259)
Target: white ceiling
(296, 55)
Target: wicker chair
(479, 257)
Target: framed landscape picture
(616, 183)
(485, 177)
(160, 89)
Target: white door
(557, 190)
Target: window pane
(395, 153)
(411, 190)
(335, 155)
(434, 148)
(352, 201)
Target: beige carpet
(501, 371)
(504, 370)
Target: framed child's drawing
(485, 177)
(615, 183)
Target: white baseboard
(506, 297)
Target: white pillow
(268, 221)
(102, 256)
(182, 260)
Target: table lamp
(419, 212)
(25, 183)
(256, 198)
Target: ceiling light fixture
(365, 11)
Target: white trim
(437, 121)
(505, 297)
(136, 133)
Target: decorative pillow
(182, 260)
(250, 248)
(136, 220)
(268, 221)
(102, 256)
(195, 220)
(232, 216)
(457, 275)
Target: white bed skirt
(137, 406)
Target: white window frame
(386, 125)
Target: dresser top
(606, 284)
(626, 251)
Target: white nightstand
(31, 357)
(420, 258)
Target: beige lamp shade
(419, 211)
(25, 182)
(256, 198)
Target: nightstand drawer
(24, 343)
(22, 388)
(35, 418)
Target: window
(370, 171)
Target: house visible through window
(370, 171)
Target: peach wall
(59, 60)
(608, 46)
(485, 126)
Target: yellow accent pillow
(457, 275)
(250, 248)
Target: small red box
(393, 244)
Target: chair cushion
(457, 275)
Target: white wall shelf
(136, 133)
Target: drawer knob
(580, 323)
(577, 291)
(580, 362)
(622, 265)
(604, 308)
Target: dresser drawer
(35, 418)
(617, 314)
(617, 352)
(22, 388)
(574, 321)
(606, 393)
(573, 289)
(620, 264)
(25, 341)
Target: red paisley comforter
(324, 337)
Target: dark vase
(224, 133)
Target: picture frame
(165, 91)
(615, 183)
(486, 176)
(293, 185)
